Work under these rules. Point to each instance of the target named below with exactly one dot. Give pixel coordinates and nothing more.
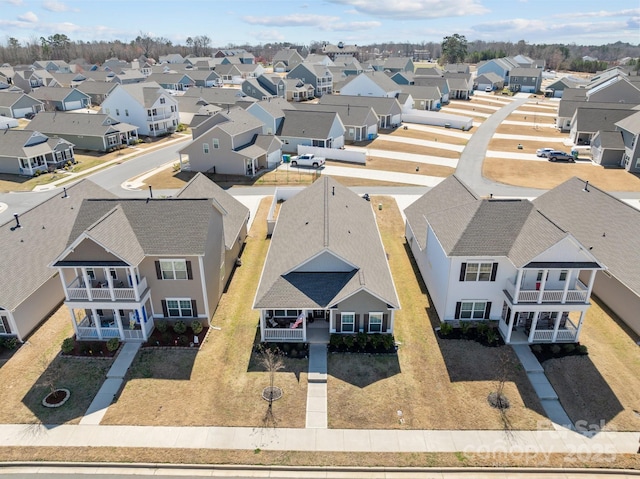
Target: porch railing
(543, 335)
(283, 334)
(86, 332)
(76, 292)
(133, 334)
(577, 295)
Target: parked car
(488, 89)
(30, 115)
(308, 159)
(543, 152)
(556, 155)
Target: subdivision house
(319, 76)
(610, 230)
(28, 153)
(629, 127)
(360, 122)
(587, 121)
(29, 289)
(527, 80)
(231, 142)
(18, 104)
(122, 269)
(326, 264)
(323, 129)
(284, 60)
(87, 131)
(388, 110)
(61, 99)
(146, 105)
(172, 80)
(97, 90)
(502, 260)
(376, 84)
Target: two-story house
(319, 76)
(146, 105)
(629, 128)
(122, 269)
(371, 84)
(526, 80)
(28, 153)
(503, 260)
(326, 264)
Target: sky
(360, 22)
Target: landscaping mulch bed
(290, 350)
(171, 339)
(89, 349)
(473, 334)
(543, 352)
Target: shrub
(555, 349)
(445, 328)
(388, 342)
(536, 348)
(10, 343)
(376, 341)
(67, 345)
(162, 326)
(179, 327)
(348, 341)
(569, 348)
(293, 353)
(464, 327)
(113, 344)
(196, 327)
(183, 341)
(582, 349)
(482, 328)
(336, 341)
(361, 341)
(166, 338)
(491, 335)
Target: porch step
(317, 363)
(316, 417)
(542, 386)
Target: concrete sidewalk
(317, 387)
(340, 440)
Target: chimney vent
(586, 186)
(333, 192)
(17, 225)
(150, 192)
(65, 192)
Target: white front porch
(96, 324)
(283, 326)
(528, 327)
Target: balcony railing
(283, 334)
(577, 295)
(567, 333)
(76, 292)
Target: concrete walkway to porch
(317, 387)
(111, 386)
(542, 387)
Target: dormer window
(162, 100)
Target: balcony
(577, 295)
(99, 291)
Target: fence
(349, 156)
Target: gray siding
(38, 306)
(618, 298)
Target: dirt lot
(530, 130)
(547, 175)
(424, 135)
(436, 384)
(385, 164)
(380, 144)
(531, 146)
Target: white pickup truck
(308, 159)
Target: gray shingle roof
(381, 105)
(630, 123)
(28, 251)
(51, 93)
(75, 123)
(234, 213)
(324, 219)
(466, 225)
(26, 143)
(594, 119)
(307, 124)
(601, 222)
(96, 87)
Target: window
(4, 324)
(216, 143)
(539, 276)
(179, 308)
(148, 112)
(348, 321)
(563, 275)
(375, 322)
(472, 309)
(162, 100)
(126, 112)
(173, 269)
(112, 272)
(478, 271)
(205, 148)
(91, 273)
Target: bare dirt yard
(386, 164)
(530, 129)
(432, 136)
(437, 384)
(547, 175)
(380, 144)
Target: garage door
(73, 105)
(21, 112)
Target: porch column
(96, 322)
(304, 327)
(107, 274)
(510, 322)
(261, 323)
(590, 285)
(64, 283)
(543, 283)
(580, 323)
(392, 317)
(119, 323)
(74, 320)
(143, 328)
(516, 293)
(134, 282)
(556, 326)
(567, 282)
(87, 283)
(534, 323)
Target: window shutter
(158, 270)
(487, 310)
(385, 323)
(494, 271)
(463, 270)
(194, 308)
(338, 322)
(189, 272)
(5, 324)
(165, 311)
(356, 323)
(365, 318)
(458, 306)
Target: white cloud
(353, 26)
(416, 9)
(28, 17)
(293, 20)
(14, 2)
(267, 36)
(55, 6)
(601, 13)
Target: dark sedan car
(556, 155)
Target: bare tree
(272, 362)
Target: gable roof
(328, 218)
(308, 124)
(630, 123)
(234, 213)
(594, 119)
(77, 123)
(609, 227)
(380, 104)
(51, 93)
(28, 251)
(146, 93)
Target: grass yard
(424, 135)
(380, 144)
(24, 377)
(547, 175)
(605, 385)
(217, 386)
(436, 384)
(400, 166)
